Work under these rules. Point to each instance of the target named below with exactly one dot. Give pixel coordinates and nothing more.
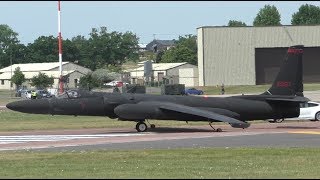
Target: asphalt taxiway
(286, 134)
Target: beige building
(253, 55)
(73, 71)
(169, 71)
(189, 77)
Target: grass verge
(178, 163)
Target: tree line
(270, 16)
(101, 49)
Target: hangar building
(253, 55)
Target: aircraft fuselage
(245, 108)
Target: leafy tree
(42, 81)
(80, 42)
(184, 51)
(43, 49)
(189, 41)
(46, 49)
(18, 54)
(307, 15)
(147, 55)
(234, 23)
(8, 38)
(96, 78)
(159, 56)
(70, 51)
(18, 77)
(85, 52)
(104, 76)
(88, 81)
(267, 16)
(179, 54)
(110, 48)
(113, 68)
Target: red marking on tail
(283, 84)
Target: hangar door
(269, 60)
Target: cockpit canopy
(75, 94)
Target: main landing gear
(216, 130)
(277, 120)
(142, 127)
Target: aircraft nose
(37, 106)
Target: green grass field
(198, 163)
(6, 96)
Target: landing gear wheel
(317, 116)
(152, 126)
(141, 127)
(278, 120)
(216, 130)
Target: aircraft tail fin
(289, 78)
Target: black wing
(203, 113)
(139, 111)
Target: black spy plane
(280, 101)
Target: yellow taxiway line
(304, 132)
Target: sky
(163, 20)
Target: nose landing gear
(216, 130)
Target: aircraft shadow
(177, 130)
(165, 130)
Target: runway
(289, 134)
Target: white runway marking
(36, 138)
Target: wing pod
(243, 125)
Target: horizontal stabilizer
(297, 99)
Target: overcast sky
(165, 19)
